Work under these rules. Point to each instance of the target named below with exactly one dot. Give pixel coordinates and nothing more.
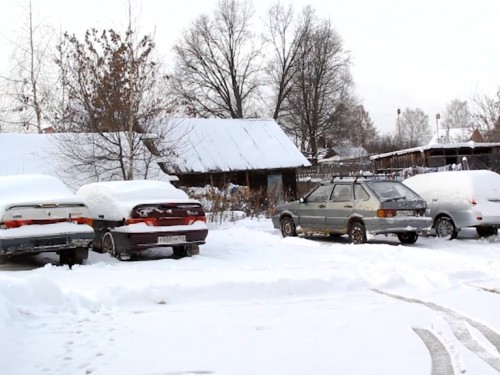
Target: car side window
(342, 193)
(320, 194)
(360, 193)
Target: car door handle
(322, 206)
(347, 206)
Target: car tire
(288, 227)
(108, 245)
(183, 251)
(408, 238)
(73, 256)
(486, 231)
(445, 228)
(357, 233)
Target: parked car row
(38, 213)
(443, 202)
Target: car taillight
(151, 221)
(9, 224)
(472, 201)
(82, 220)
(188, 220)
(381, 212)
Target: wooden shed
(249, 152)
(479, 155)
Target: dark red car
(133, 216)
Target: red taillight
(9, 224)
(381, 212)
(16, 223)
(472, 201)
(82, 220)
(191, 219)
(151, 221)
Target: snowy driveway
(255, 303)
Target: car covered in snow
(133, 216)
(356, 206)
(38, 214)
(460, 199)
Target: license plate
(405, 213)
(171, 239)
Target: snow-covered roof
(435, 146)
(114, 200)
(234, 145)
(33, 189)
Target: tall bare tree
(414, 128)
(217, 68)
(362, 132)
(457, 115)
(116, 96)
(284, 33)
(487, 116)
(321, 86)
(27, 85)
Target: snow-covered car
(38, 213)
(460, 199)
(356, 206)
(132, 216)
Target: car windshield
(392, 190)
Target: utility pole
(437, 126)
(399, 128)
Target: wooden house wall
(255, 179)
(477, 158)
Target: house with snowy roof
(250, 152)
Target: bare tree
(285, 34)
(456, 116)
(217, 64)
(487, 116)
(321, 86)
(28, 83)
(362, 131)
(116, 96)
(414, 128)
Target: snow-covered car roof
(454, 184)
(114, 200)
(34, 189)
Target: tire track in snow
(460, 330)
(440, 357)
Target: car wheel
(445, 228)
(182, 251)
(408, 238)
(108, 244)
(73, 256)
(357, 233)
(288, 227)
(486, 231)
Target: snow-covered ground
(255, 303)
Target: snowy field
(255, 303)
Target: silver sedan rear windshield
(392, 190)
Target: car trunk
(41, 214)
(167, 214)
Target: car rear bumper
(40, 244)
(466, 219)
(397, 225)
(138, 241)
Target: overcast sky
(406, 53)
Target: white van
(460, 199)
